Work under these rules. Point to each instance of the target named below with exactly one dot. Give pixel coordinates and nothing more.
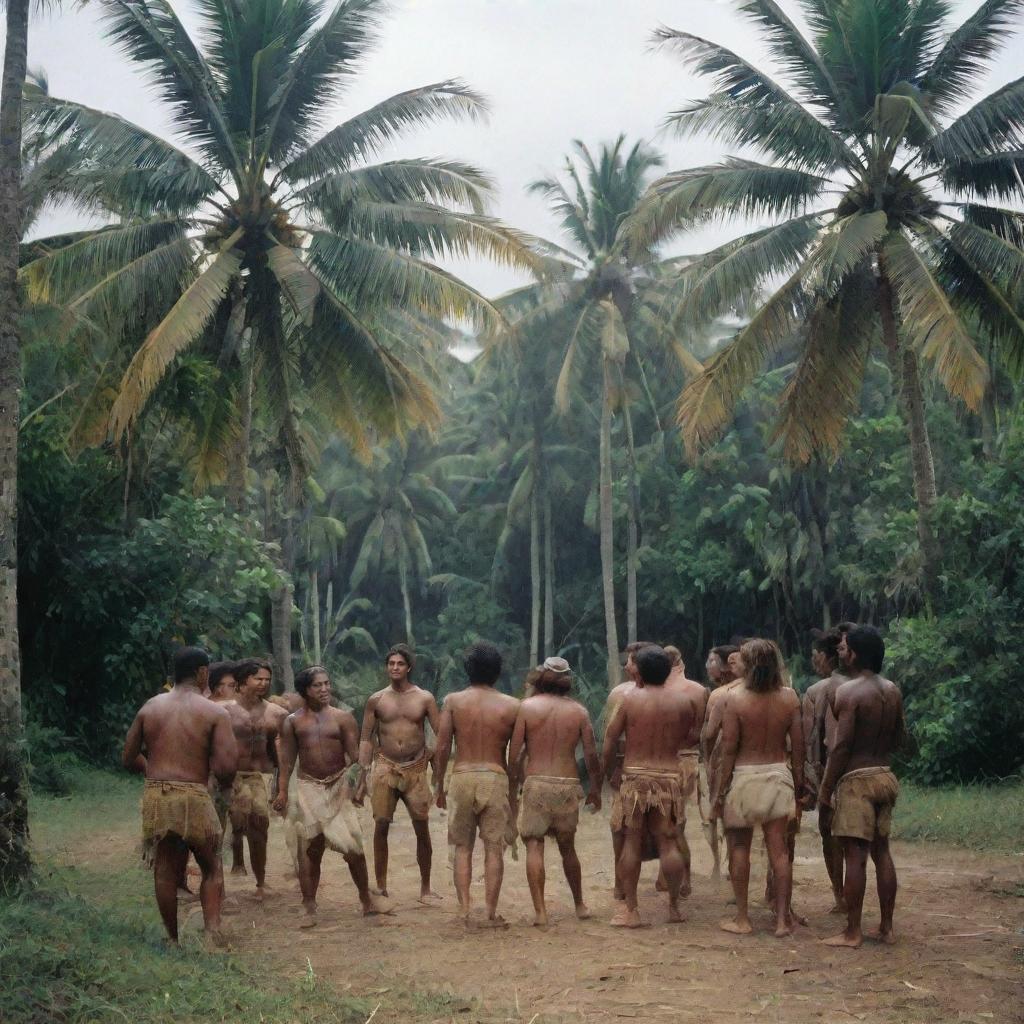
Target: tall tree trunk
(314, 600)
(281, 633)
(549, 575)
(904, 364)
(238, 455)
(607, 539)
(14, 853)
(631, 529)
(407, 610)
(535, 581)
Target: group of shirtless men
(215, 748)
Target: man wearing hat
(547, 731)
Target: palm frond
(583, 331)
(997, 174)
(993, 125)
(844, 245)
(298, 283)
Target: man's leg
(885, 876)
(856, 863)
(832, 851)
(535, 879)
(211, 889)
(671, 858)
(361, 876)
(257, 831)
(738, 840)
(628, 876)
(573, 873)
(169, 859)
(237, 852)
(462, 875)
(777, 840)
(380, 855)
(424, 858)
(494, 873)
(311, 853)
(618, 841)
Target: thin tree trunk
(15, 863)
(535, 582)
(238, 456)
(631, 530)
(281, 633)
(314, 600)
(407, 610)
(607, 539)
(904, 364)
(549, 576)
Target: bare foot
(626, 918)
(494, 922)
(371, 908)
(309, 920)
(737, 927)
(660, 884)
(795, 918)
(838, 906)
(684, 890)
(540, 921)
(215, 939)
(187, 895)
(879, 936)
(583, 912)
(782, 930)
(675, 915)
(238, 869)
(380, 892)
(430, 896)
(845, 940)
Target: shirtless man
(819, 735)
(757, 785)
(721, 664)
(177, 739)
(657, 723)
(326, 742)
(858, 783)
(223, 684)
(256, 724)
(483, 789)
(548, 729)
(688, 759)
(396, 717)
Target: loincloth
(650, 789)
(324, 807)
(182, 809)
(863, 802)
(480, 801)
(549, 806)
(759, 793)
(688, 767)
(391, 781)
(248, 801)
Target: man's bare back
(869, 714)
(766, 721)
(678, 682)
(482, 722)
(549, 729)
(658, 722)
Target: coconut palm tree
(888, 214)
(601, 316)
(288, 249)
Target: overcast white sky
(553, 71)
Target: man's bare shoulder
(815, 690)
(509, 702)
(723, 691)
(342, 715)
(453, 699)
(374, 699)
(275, 713)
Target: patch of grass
(983, 818)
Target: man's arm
(223, 749)
(273, 730)
(796, 745)
(593, 761)
(807, 710)
(696, 723)
(839, 756)
(730, 744)
(712, 724)
(615, 729)
(365, 756)
(443, 752)
(434, 718)
(289, 750)
(132, 757)
(517, 745)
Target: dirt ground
(959, 956)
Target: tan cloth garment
(759, 793)
(182, 809)
(479, 798)
(324, 807)
(688, 772)
(549, 806)
(391, 781)
(650, 789)
(249, 800)
(864, 801)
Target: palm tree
(289, 253)
(602, 314)
(888, 215)
(14, 856)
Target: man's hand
(824, 799)
(593, 800)
(281, 803)
(806, 801)
(442, 799)
(615, 779)
(359, 796)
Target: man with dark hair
(396, 718)
(549, 727)
(761, 721)
(257, 725)
(223, 684)
(819, 733)
(657, 722)
(483, 789)
(176, 740)
(325, 740)
(860, 785)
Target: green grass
(983, 818)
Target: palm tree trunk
(15, 863)
(238, 456)
(607, 539)
(549, 576)
(904, 364)
(314, 600)
(281, 633)
(535, 582)
(407, 610)
(631, 530)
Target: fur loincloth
(864, 800)
(182, 809)
(480, 801)
(549, 806)
(248, 800)
(391, 781)
(650, 789)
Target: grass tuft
(983, 818)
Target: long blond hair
(762, 661)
